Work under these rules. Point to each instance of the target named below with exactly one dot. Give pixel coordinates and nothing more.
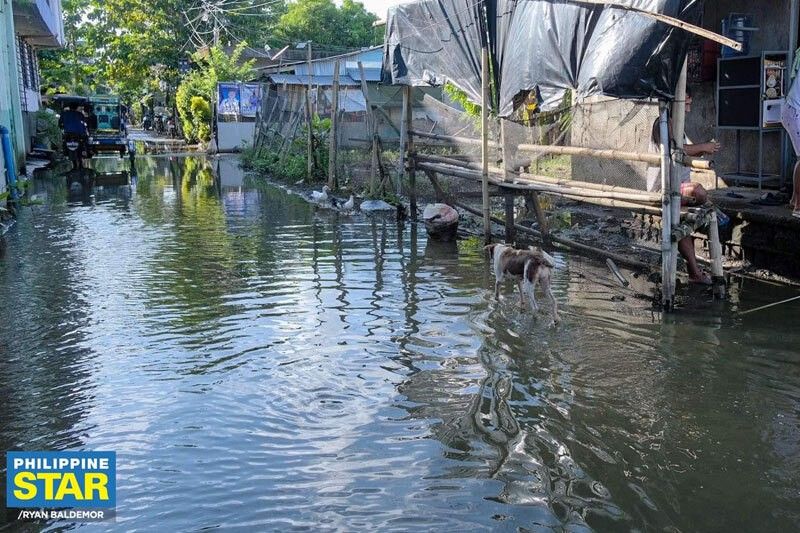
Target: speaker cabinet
(739, 107)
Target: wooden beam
(672, 21)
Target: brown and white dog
(527, 267)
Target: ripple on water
(257, 365)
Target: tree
(322, 22)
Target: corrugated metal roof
(370, 59)
(326, 81)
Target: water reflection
(260, 364)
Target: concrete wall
(771, 16)
(10, 111)
(233, 136)
(600, 126)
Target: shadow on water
(289, 368)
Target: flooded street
(259, 364)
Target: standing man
(790, 117)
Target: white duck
(320, 197)
(349, 204)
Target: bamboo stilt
(411, 166)
(667, 271)
(487, 224)
(334, 123)
(508, 178)
(309, 121)
(715, 251)
(371, 127)
(401, 165)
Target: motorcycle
(75, 148)
(159, 124)
(172, 128)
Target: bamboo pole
(453, 138)
(530, 185)
(371, 127)
(334, 123)
(508, 178)
(401, 165)
(667, 274)
(592, 197)
(672, 21)
(715, 251)
(523, 177)
(487, 223)
(411, 164)
(309, 121)
(679, 134)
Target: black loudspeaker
(740, 71)
(739, 108)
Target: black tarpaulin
(433, 41)
(544, 45)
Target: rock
(376, 205)
(441, 222)
(441, 212)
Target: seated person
(72, 121)
(691, 193)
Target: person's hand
(711, 147)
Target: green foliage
(213, 66)
(460, 97)
(200, 111)
(321, 22)
(292, 164)
(47, 131)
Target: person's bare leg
(686, 249)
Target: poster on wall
(228, 99)
(251, 99)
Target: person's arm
(701, 149)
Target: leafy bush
(201, 117)
(47, 131)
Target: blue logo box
(61, 479)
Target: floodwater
(259, 364)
